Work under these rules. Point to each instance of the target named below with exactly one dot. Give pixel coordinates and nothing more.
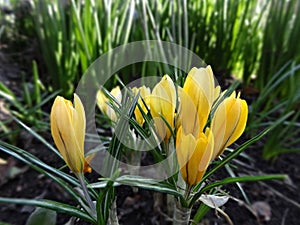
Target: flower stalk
(113, 216)
(87, 196)
(181, 214)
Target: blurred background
(46, 45)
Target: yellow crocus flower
(193, 155)
(144, 93)
(229, 122)
(196, 99)
(102, 101)
(162, 102)
(68, 131)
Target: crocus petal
(193, 155)
(242, 121)
(200, 87)
(102, 102)
(79, 121)
(206, 154)
(179, 112)
(197, 152)
(162, 103)
(144, 93)
(116, 92)
(184, 149)
(188, 115)
(229, 122)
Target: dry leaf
(213, 201)
(8, 170)
(3, 161)
(262, 211)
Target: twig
(227, 218)
(281, 195)
(284, 216)
(241, 202)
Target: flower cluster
(202, 120)
(202, 134)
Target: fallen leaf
(262, 211)
(3, 161)
(4, 168)
(9, 170)
(213, 201)
(130, 201)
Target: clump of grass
(72, 35)
(271, 106)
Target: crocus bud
(193, 155)
(68, 131)
(229, 122)
(162, 102)
(144, 93)
(102, 102)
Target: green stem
(181, 215)
(87, 195)
(113, 217)
(187, 192)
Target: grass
(72, 35)
(238, 38)
(271, 105)
(281, 32)
(28, 108)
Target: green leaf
(42, 216)
(47, 170)
(235, 180)
(3, 223)
(37, 136)
(145, 183)
(52, 205)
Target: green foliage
(27, 107)
(72, 35)
(280, 33)
(222, 30)
(278, 79)
(16, 27)
(54, 30)
(272, 106)
(61, 178)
